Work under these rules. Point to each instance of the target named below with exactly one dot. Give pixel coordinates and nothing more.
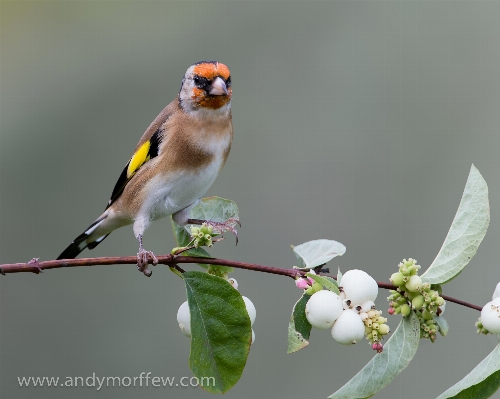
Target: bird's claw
(34, 262)
(228, 225)
(143, 258)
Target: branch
(34, 266)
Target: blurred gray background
(354, 121)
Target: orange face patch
(211, 71)
(213, 102)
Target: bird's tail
(82, 241)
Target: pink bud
(375, 346)
(390, 311)
(301, 283)
(380, 347)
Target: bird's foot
(34, 262)
(143, 258)
(228, 225)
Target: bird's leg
(220, 227)
(143, 258)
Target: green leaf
(215, 209)
(325, 282)
(331, 280)
(339, 276)
(299, 328)
(317, 252)
(381, 370)
(442, 324)
(482, 382)
(466, 232)
(220, 328)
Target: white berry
(323, 308)
(359, 287)
(250, 309)
(348, 329)
(490, 316)
(233, 282)
(184, 319)
(367, 306)
(253, 337)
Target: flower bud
(301, 283)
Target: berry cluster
(375, 327)
(184, 315)
(202, 236)
(412, 294)
(350, 315)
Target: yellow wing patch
(138, 159)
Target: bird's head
(206, 86)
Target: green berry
(414, 283)
(383, 329)
(405, 310)
(426, 315)
(316, 287)
(396, 279)
(417, 302)
(401, 301)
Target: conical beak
(218, 87)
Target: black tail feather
(77, 246)
(80, 243)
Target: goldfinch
(175, 162)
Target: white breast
(171, 193)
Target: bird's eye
(200, 81)
(228, 82)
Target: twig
(170, 260)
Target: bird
(174, 164)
